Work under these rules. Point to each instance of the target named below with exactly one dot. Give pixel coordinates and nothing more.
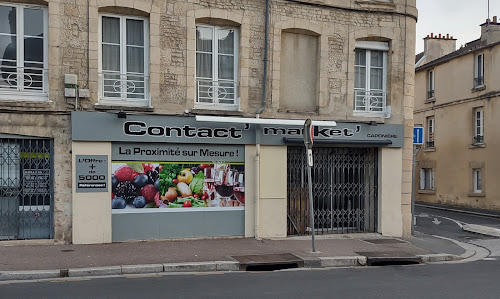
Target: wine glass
(224, 183)
(239, 187)
(208, 183)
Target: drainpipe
(262, 107)
(264, 79)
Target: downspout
(264, 77)
(257, 113)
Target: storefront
(139, 177)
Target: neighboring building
(456, 94)
(99, 103)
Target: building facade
(456, 102)
(101, 134)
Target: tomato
(203, 166)
(195, 196)
(203, 198)
(175, 181)
(187, 204)
(147, 167)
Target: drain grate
(389, 258)
(269, 262)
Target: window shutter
(422, 179)
(431, 174)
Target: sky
(458, 18)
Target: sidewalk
(51, 261)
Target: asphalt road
(470, 280)
(444, 223)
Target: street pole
(308, 141)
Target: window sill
(430, 100)
(21, 97)
(430, 149)
(117, 106)
(427, 191)
(477, 145)
(36, 104)
(370, 114)
(477, 194)
(216, 111)
(478, 88)
(211, 107)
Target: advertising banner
(188, 176)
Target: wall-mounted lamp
(122, 114)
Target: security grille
(344, 190)
(26, 190)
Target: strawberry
(147, 167)
(125, 173)
(149, 192)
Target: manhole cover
(269, 261)
(384, 241)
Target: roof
(468, 48)
(418, 57)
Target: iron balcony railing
(430, 143)
(479, 81)
(370, 101)
(478, 139)
(23, 79)
(216, 93)
(430, 94)
(123, 87)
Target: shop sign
(100, 126)
(36, 181)
(167, 177)
(91, 173)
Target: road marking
(436, 221)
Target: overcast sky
(459, 18)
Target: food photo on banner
(169, 185)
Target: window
(10, 164)
(479, 70)
(430, 84)
(426, 179)
(216, 67)
(478, 180)
(370, 68)
(478, 125)
(430, 132)
(123, 74)
(23, 52)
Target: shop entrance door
(344, 182)
(26, 189)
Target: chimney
(438, 46)
(490, 31)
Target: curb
(457, 210)
(319, 262)
(120, 270)
(481, 229)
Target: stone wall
(74, 49)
